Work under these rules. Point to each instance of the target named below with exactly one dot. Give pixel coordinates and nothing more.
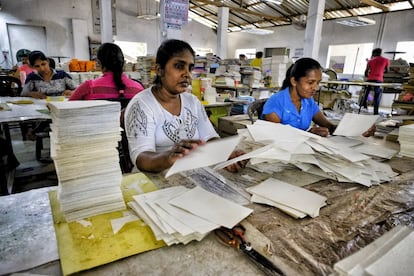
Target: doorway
(26, 37)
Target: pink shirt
(105, 88)
(377, 66)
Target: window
(349, 58)
(408, 48)
(132, 50)
(250, 53)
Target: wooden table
(354, 216)
(363, 84)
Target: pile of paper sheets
(406, 139)
(295, 201)
(84, 136)
(335, 158)
(180, 215)
(391, 254)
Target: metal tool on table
(235, 237)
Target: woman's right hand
(37, 95)
(183, 148)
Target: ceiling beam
(376, 4)
(242, 10)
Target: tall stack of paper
(180, 215)
(391, 254)
(84, 136)
(406, 139)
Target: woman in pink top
(113, 83)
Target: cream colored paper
(211, 207)
(355, 124)
(206, 155)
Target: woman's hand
(67, 93)
(236, 167)
(183, 148)
(321, 131)
(37, 95)
(370, 131)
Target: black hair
(169, 49)
(112, 59)
(376, 52)
(300, 69)
(35, 55)
(259, 54)
(52, 63)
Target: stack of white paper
(84, 136)
(338, 159)
(180, 215)
(295, 201)
(406, 139)
(391, 254)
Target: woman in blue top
(294, 104)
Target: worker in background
(114, 83)
(46, 81)
(25, 69)
(374, 72)
(242, 59)
(294, 104)
(257, 61)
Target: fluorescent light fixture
(277, 2)
(356, 21)
(257, 31)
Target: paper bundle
(344, 159)
(295, 201)
(84, 136)
(391, 254)
(180, 215)
(406, 139)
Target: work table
(354, 216)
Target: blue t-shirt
(282, 105)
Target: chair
(255, 109)
(123, 148)
(10, 86)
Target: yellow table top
(93, 243)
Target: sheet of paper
(290, 195)
(355, 124)
(211, 207)
(206, 155)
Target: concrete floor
(31, 174)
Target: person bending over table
(46, 81)
(165, 122)
(294, 105)
(113, 83)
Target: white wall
(57, 15)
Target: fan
(299, 23)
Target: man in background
(257, 62)
(374, 72)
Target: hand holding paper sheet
(355, 124)
(206, 155)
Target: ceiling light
(356, 21)
(277, 2)
(257, 31)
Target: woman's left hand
(67, 93)
(370, 131)
(236, 167)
